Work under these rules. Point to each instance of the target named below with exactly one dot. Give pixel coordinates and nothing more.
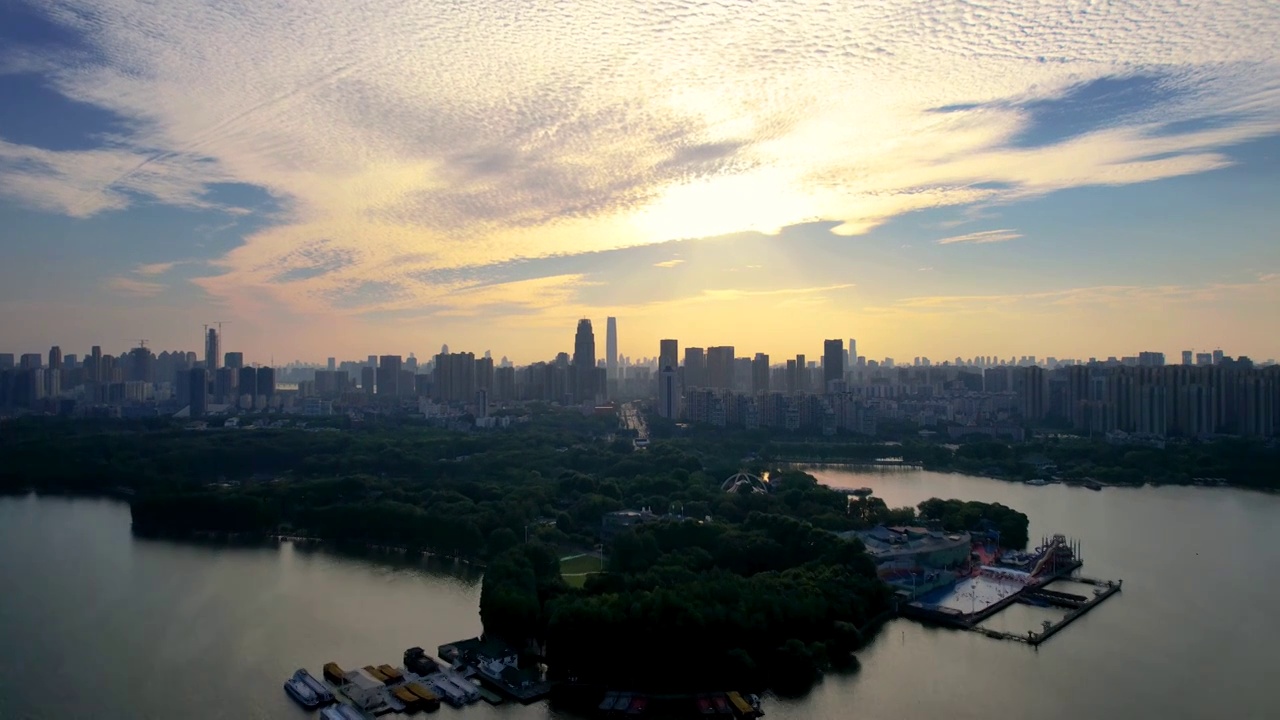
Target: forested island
(715, 589)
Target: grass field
(579, 565)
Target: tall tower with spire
(611, 347)
(584, 361)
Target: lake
(95, 623)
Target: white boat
(1038, 482)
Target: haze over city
(936, 179)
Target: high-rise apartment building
(611, 347)
(1187, 357)
(760, 374)
(233, 360)
(212, 348)
(266, 383)
(368, 379)
(668, 392)
(388, 379)
(720, 367)
(197, 390)
(695, 368)
(454, 377)
(584, 362)
(832, 363)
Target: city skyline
(1081, 181)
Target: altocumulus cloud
(411, 136)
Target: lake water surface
(95, 623)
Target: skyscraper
(760, 374)
(668, 391)
(95, 370)
(853, 350)
(584, 361)
(247, 385)
(233, 360)
(611, 347)
(832, 363)
(197, 387)
(695, 368)
(720, 367)
(212, 345)
(388, 378)
(668, 353)
(266, 383)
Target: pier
(1079, 605)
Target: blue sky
(932, 178)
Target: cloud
(155, 268)
(981, 238)
(668, 263)
(134, 287)
(405, 137)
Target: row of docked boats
(421, 685)
(732, 704)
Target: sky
(1071, 178)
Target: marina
(1014, 577)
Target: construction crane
(142, 343)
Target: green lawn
(575, 569)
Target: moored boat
(705, 705)
(334, 674)
(323, 695)
(301, 694)
(429, 700)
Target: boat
(624, 702)
(410, 701)
(610, 699)
(377, 674)
(448, 691)
(638, 704)
(393, 675)
(722, 705)
(323, 694)
(1038, 482)
(741, 707)
(334, 674)
(301, 694)
(1093, 484)
(428, 700)
(341, 712)
(418, 662)
(704, 705)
